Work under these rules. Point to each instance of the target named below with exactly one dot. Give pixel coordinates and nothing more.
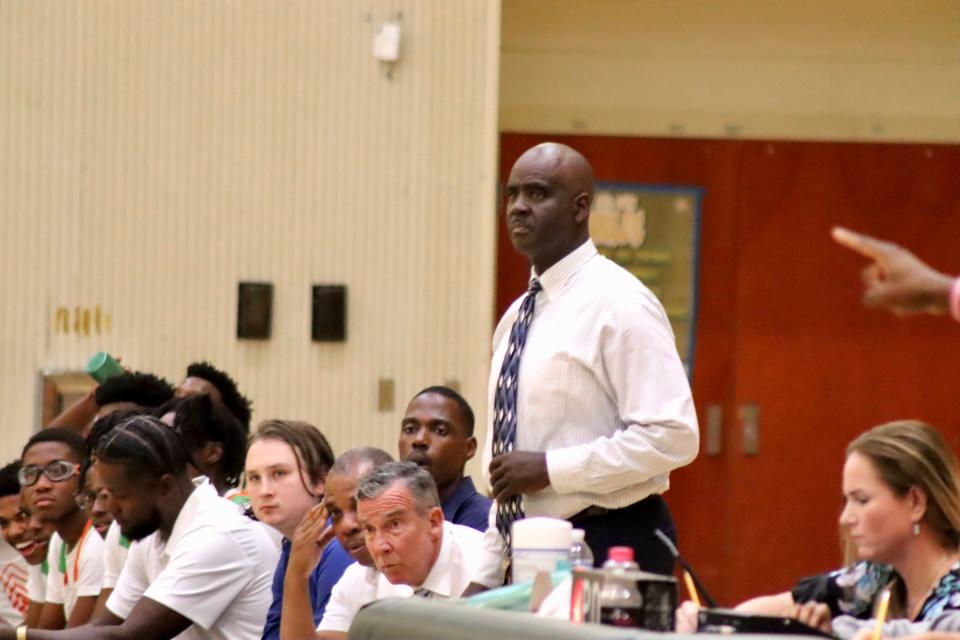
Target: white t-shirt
(73, 576)
(37, 583)
(461, 556)
(216, 569)
(13, 579)
(115, 549)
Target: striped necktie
(505, 404)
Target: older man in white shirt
(414, 550)
(589, 403)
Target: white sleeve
(55, 592)
(131, 584)
(114, 555)
(205, 574)
(90, 576)
(345, 600)
(654, 402)
(37, 584)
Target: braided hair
(143, 444)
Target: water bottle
(620, 601)
(580, 554)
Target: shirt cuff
(563, 468)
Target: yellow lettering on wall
(85, 321)
(61, 320)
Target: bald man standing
(589, 404)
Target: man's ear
(166, 485)
(436, 520)
(471, 448)
(582, 204)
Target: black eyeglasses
(55, 470)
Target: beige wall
(826, 69)
(156, 153)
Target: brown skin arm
(52, 616)
(82, 611)
(896, 279)
(33, 614)
(518, 472)
(79, 415)
(101, 607)
(149, 620)
(312, 535)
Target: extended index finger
(863, 244)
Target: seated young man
(414, 550)
(437, 434)
(29, 536)
(14, 568)
(216, 441)
(93, 499)
(286, 470)
(314, 538)
(199, 568)
(49, 480)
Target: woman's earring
(916, 528)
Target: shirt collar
(461, 494)
(201, 486)
(556, 277)
(441, 573)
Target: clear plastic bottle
(620, 601)
(580, 553)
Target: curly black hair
(9, 482)
(199, 420)
(142, 389)
(238, 404)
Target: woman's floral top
(852, 590)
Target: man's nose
(422, 437)
(518, 205)
(350, 523)
(266, 488)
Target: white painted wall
(156, 153)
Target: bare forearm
(78, 416)
(296, 616)
(774, 605)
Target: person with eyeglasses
(50, 481)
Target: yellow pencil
(692, 590)
(881, 614)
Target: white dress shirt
(601, 388)
(215, 569)
(460, 560)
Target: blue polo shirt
(333, 562)
(467, 507)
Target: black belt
(590, 512)
(595, 511)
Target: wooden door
(780, 327)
